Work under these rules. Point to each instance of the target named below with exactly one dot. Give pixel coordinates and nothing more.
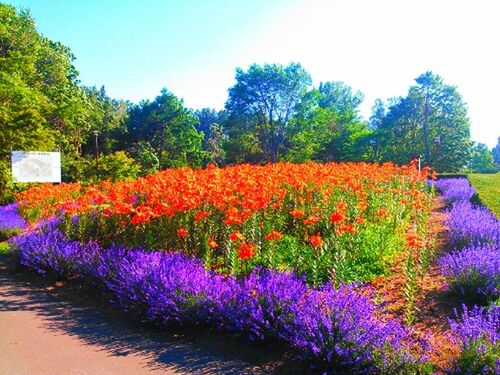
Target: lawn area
(488, 189)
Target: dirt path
(45, 329)
(434, 302)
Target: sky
(192, 47)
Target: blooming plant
(474, 272)
(454, 189)
(472, 225)
(477, 332)
(236, 218)
(337, 329)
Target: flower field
(278, 252)
(331, 222)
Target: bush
(474, 272)
(472, 225)
(477, 332)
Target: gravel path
(45, 329)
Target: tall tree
(496, 152)
(481, 159)
(42, 105)
(430, 121)
(263, 101)
(170, 130)
(346, 127)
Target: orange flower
(246, 251)
(274, 235)
(237, 236)
(200, 215)
(382, 212)
(346, 228)
(311, 220)
(336, 217)
(412, 240)
(182, 232)
(360, 221)
(316, 240)
(211, 242)
(297, 213)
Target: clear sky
(192, 47)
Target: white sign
(28, 166)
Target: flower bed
(331, 222)
(242, 235)
(337, 330)
(473, 270)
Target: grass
(488, 189)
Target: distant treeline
(273, 113)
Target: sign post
(36, 166)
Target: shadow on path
(76, 311)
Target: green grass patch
(488, 189)
(4, 248)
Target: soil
(434, 303)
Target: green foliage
(170, 130)
(482, 159)
(118, 166)
(145, 155)
(7, 186)
(264, 100)
(431, 109)
(5, 248)
(488, 189)
(115, 166)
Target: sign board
(34, 166)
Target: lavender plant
(10, 221)
(477, 332)
(471, 225)
(474, 272)
(454, 189)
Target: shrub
(11, 222)
(477, 332)
(454, 189)
(471, 225)
(474, 272)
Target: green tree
(108, 117)
(261, 105)
(346, 130)
(481, 159)
(170, 130)
(496, 153)
(42, 106)
(430, 121)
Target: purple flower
(471, 225)
(474, 272)
(10, 218)
(454, 189)
(477, 332)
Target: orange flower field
(335, 221)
